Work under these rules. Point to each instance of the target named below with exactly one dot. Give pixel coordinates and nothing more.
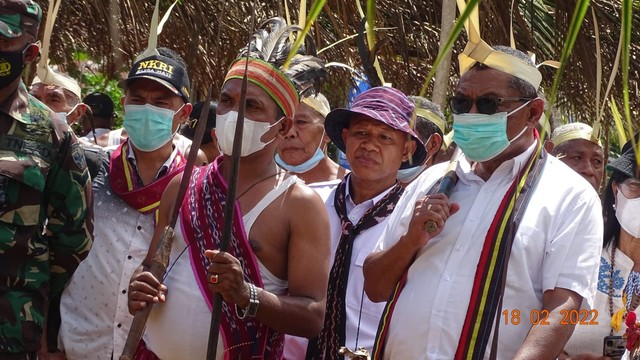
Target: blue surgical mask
(408, 175)
(305, 166)
(62, 117)
(482, 137)
(149, 127)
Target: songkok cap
(627, 163)
(48, 76)
(18, 16)
(572, 131)
(384, 104)
(162, 69)
(318, 103)
(101, 104)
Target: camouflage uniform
(43, 177)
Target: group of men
(338, 261)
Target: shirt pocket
(22, 183)
(355, 289)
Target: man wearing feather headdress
(273, 278)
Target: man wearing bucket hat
(130, 181)
(578, 147)
(491, 269)
(44, 188)
(376, 136)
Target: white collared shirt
(95, 316)
(358, 309)
(557, 245)
(131, 156)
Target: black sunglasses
(487, 105)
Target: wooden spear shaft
(229, 206)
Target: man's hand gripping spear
(160, 261)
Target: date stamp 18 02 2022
(541, 317)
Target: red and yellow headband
(269, 79)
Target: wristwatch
(252, 308)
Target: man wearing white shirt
(508, 192)
(376, 137)
(127, 191)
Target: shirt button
(473, 219)
(447, 278)
(458, 247)
(119, 325)
(129, 257)
(139, 227)
(124, 291)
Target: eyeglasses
(487, 105)
(631, 188)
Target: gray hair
(424, 128)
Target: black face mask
(11, 65)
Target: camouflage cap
(18, 16)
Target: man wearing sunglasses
(492, 268)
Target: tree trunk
(441, 85)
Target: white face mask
(627, 211)
(252, 132)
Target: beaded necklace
(613, 264)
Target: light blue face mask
(305, 166)
(408, 175)
(62, 117)
(149, 127)
(482, 137)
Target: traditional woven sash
(123, 182)
(201, 219)
(490, 277)
(332, 337)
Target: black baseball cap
(101, 104)
(162, 69)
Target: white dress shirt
(363, 315)
(557, 245)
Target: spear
(161, 258)
(229, 206)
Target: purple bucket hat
(385, 104)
